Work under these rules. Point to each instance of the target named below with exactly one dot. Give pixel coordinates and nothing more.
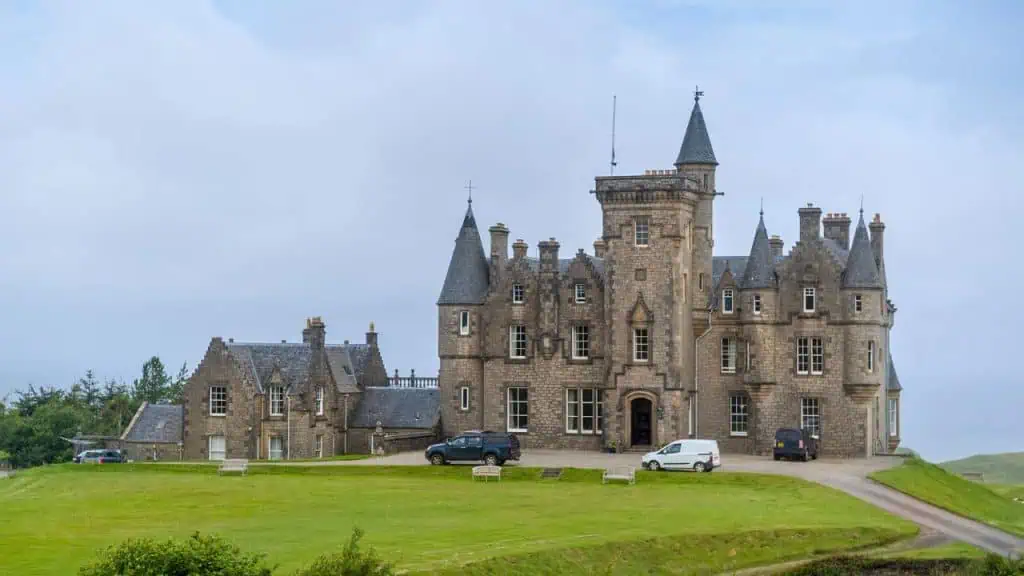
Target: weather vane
(469, 187)
(697, 93)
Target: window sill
(729, 372)
(738, 434)
(516, 431)
(218, 415)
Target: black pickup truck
(493, 448)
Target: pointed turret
(760, 269)
(468, 271)
(696, 148)
(861, 271)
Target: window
(276, 448)
(803, 355)
(218, 400)
(580, 342)
(318, 446)
(319, 400)
(464, 323)
(739, 414)
(584, 410)
(871, 356)
(747, 358)
(581, 293)
(893, 431)
(276, 401)
(641, 232)
(518, 294)
(700, 281)
(808, 299)
(641, 345)
(518, 409)
(858, 303)
(757, 305)
(705, 181)
(817, 356)
(728, 356)
(218, 450)
(810, 417)
(727, 301)
(640, 274)
(517, 341)
(464, 398)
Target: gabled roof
(696, 148)
(155, 423)
(861, 271)
(259, 360)
(398, 408)
(759, 271)
(893, 381)
(468, 271)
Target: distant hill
(998, 468)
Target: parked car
(689, 454)
(99, 457)
(792, 443)
(493, 448)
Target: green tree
(155, 384)
(177, 389)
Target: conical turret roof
(861, 271)
(760, 269)
(468, 271)
(696, 148)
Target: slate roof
(468, 271)
(156, 423)
(398, 408)
(841, 254)
(696, 148)
(563, 264)
(893, 382)
(861, 270)
(258, 360)
(737, 265)
(759, 271)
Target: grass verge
(952, 550)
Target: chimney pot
(231, 339)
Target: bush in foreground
(350, 562)
(194, 556)
(992, 565)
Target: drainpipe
(696, 371)
(288, 425)
(346, 425)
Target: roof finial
(470, 188)
(762, 206)
(697, 93)
(862, 205)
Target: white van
(696, 455)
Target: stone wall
(218, 369)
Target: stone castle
(652, 338)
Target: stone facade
(675, 345)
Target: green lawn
(932, 484)
(1010, 491)
(954, 550)
(421, 518)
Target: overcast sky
(173, 171)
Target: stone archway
(641, 424)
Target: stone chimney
(810, 222)
(600, 247)
(315, 333)
(499, 244)
(548, 255)
(837, 227)
(776, 245)
(519, 249)
(877, 229)
(371, 337)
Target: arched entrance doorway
(640, 428)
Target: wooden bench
(625, 473)
(234, 465)
(486, 472)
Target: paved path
(850, 476)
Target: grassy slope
(1010, 491)
(997, 468)
(954, 550)
(932, 484)
(418, 517)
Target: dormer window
(757, 305)
(727, 298)
(641, 231)
(858, 303)
(518, 294)
(581, 293)
(809, 299)
(464, 322)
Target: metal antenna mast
(613, 162)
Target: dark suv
(494, 448)
(795, 443)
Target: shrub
(350, 562)
(195, 556)
(992, 565)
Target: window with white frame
(641, 345)
(728, 356)
(518, 409)
(518, 293)
(817, 356)
(464, 322)
(809, 299)
(277, 401)
(217, 448)
(893, 431)
(276, 448)
(641, 231)
(581, 293)
(756, 305)
(746, 357)
(803, 355)
(584, 409)
(739, 414)
(871, 356)
(319, 400)
(727, 301)
(464, 398)
(580, 342)
(572, 410)
(858, 303)
(517, 341)
(318, 446)
(810, 416)
(218, 400)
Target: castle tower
(460, 331)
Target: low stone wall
(147, 451)
(406, 440)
